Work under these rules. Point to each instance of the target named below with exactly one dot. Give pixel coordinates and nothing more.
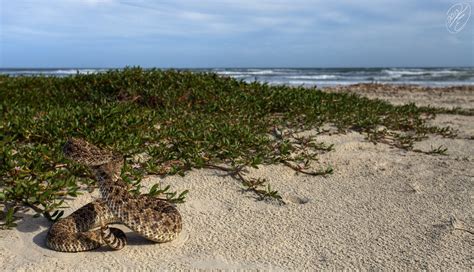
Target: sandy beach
(382, 208)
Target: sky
(231, 33)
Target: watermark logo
(457, 17)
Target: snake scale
(88, 227)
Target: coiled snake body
(87, 228)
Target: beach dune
(382, 208)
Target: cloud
(126, 18)
(221, 28)
(89, 2)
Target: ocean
(321, 77)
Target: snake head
(83, 152)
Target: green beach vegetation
(168, 122)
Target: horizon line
(229, 67)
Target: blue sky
(231, 33)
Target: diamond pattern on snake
(88, 227)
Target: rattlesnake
(87, 228)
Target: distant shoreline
(303, 77)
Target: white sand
(383, 208)
(448, 97)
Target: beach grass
(168, 122)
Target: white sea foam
(248, 72)
(21, 72)
(59, 72)
(315, 77)
(308, 76)
(229, 73)
(76, 71)
(400, 73)
(419, 72)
